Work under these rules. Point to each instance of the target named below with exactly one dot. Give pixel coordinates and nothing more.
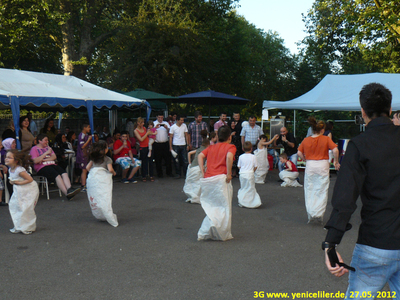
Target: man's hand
(337, 271)
(284, 138)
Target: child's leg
(151, 141)
(83, 177)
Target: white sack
(247, 194)
(216, 200)
(22, 206)
(99, 192)
(289, 178)
(192, 187)
(263, 165)
(316, 185)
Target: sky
(281, 16)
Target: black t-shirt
(288, 150)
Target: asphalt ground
(154, 253)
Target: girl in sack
(25, 193)
(100, 184)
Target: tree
(356, 35)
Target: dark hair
(116, 131)
(247, 146)
(41, 136)
(98, 152)
(21, 119)
(178, 117)
(203, 135)
(329, 125)
(69, 135)
(223, 113)
(212, 135)
(21, 157)
(252, 117)
(124, 132)
(197, 113)
(376, 100)
(316, 126)
(224, 133)
(46, 124)
(263, 136)
(58, 140)
(85, 124)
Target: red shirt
(123, 152)
(294, 168)
(216, 158)
(145, 142)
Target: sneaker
(3, 204)
(132, 180)
(71, 193)
(27, 232)
(13, 230)
(124, 180)
(83, 188)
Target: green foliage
(355, 36)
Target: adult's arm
(345, 193)
(140, 138)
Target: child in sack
(247, 164)
(289, 174)
(25, 193)
(216, 188)
(192, 187)
(100, 184)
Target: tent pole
(294, 123)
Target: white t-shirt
(162, 132)
(179, 134)
(15, 175)
(247, 162)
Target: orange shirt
(216, 158)
(317, 148)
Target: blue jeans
(374, 268)
(181, 159)
(293, 158)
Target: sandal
(151, 178)
(144, 179)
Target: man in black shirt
(288, 141)
(370, 169)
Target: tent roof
(57, 91)
(148, 95)
(340, 92)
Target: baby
(152, 137)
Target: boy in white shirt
(247, 164)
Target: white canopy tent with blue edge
(340, 93)
(33, 89)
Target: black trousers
(161, 152)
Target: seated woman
(59, 148)
(44, 164)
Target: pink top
(36, 152)
(153, 136)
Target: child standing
(152, 137)
(212, 137)
(289, 173)
(25, 193)
(192, 187)
(100, 184)
(247, 164)
(261, 154)
(216, 188)
(82, 154)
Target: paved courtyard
(154, 253)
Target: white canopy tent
(33, 89)
(339, 92)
